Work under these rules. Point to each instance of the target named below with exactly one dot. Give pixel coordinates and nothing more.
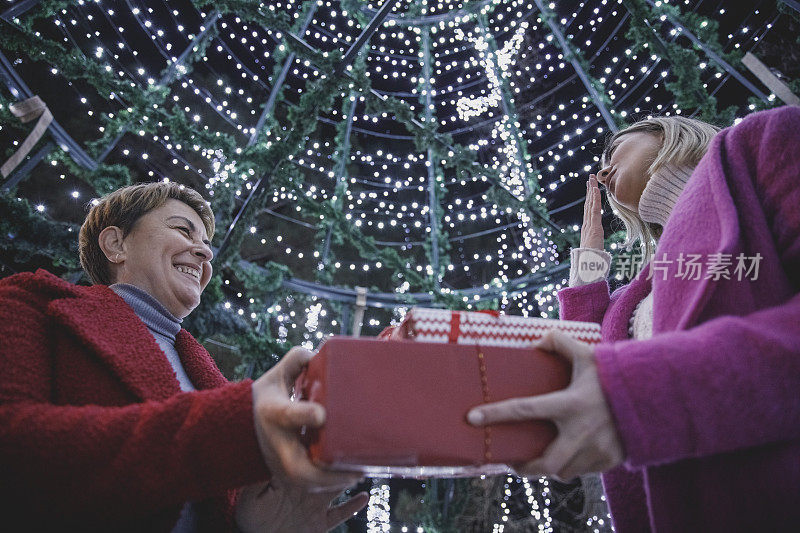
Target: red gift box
(399, 407)
(485, 328)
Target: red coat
(94, 430)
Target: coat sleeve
(585, 303)
(91, 462)
(728, 384)
(731, 382)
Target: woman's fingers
(592, 228)
(553, 461)
(587, 201)
(339, 513)
(301, 471)
(543, 407)
(595, 206)
(292, 364)
(560, 343)
(295, 415)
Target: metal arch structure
(276, 86)
(510, 112)
(392, 300)
(19, 88)
(167, 77)
(727, 67)
(18, 9)
(562, 42)
(341, 174)
(433, 205)
(523, 284)
(794, 4)
(429, 20)
(507, 104)
(348, 58)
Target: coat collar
(615, 324)
(705, 222)
(105, 324)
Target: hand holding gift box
(587, 439)
(399, 407)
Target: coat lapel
(615, 324)
(704, 221)
(197, 362)
(108, 327)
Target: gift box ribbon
(26, 111)
(487, 430)
(455, 323)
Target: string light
(378, 508)
(491, 244)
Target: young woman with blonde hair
(690, 405)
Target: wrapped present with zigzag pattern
(487, 328)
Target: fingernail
(475, 417)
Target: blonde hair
(684, 141)
(122, 208)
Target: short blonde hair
(122, 208)
(684, 142)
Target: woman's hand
(275, 507)
(587, 439)
(278, 421)
(592, 227)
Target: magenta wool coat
(95, 433)
(708, 409)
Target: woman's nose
(203, 251)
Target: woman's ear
(110, 241)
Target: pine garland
(30, 238)
(688, 88)
(573, 52)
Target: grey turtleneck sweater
(161, 323)
(164, 327)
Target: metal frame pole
(166, 78)
(348, 57)
(19, 9)
(433, 204)
(23, 171)
(727, 67)
(794, 4)
(562, 42)
(278, 83)
(507, 104)
(341, 174)
(366, 35)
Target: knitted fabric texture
(641, 323)
(162, 324)
(662, 192)
(164, 327)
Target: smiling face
(626, 172)
(167, 254)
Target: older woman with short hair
(112, 417)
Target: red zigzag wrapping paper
(486, 329)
